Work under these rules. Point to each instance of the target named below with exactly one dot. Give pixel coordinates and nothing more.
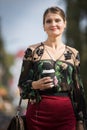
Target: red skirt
(52, 113)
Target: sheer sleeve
(79, 95)
(26, 75)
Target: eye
(48, 21)
(57, 20)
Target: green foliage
(6, 61)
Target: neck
(54, 42)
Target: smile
(54, 28)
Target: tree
(5, 61)
(76, 33)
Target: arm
(26, 75)
(27, 84)
(81, 112)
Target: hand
(79, 126)
(43, 83)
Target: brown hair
(55, 10)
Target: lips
(54, 28)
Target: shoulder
(30, 51)
(75, 54)
(73, 50)
(34, 46)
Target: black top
(64, 71)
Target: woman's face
(54, 24)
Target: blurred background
(21, 24)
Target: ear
(44, 27)
(65, 23)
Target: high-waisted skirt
(52, 113)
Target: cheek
(61, 25)
(45, 28)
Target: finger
(49, 85)
(46, 86)
(47, 79)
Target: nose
(53, 23)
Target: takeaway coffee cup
(50, 73)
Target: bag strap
(19, 106)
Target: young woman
(51, 81)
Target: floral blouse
(65, 74)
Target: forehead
(52, 15)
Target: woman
(50, 80)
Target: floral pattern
(67, 77)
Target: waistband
(64, 93)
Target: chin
(55, 34)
